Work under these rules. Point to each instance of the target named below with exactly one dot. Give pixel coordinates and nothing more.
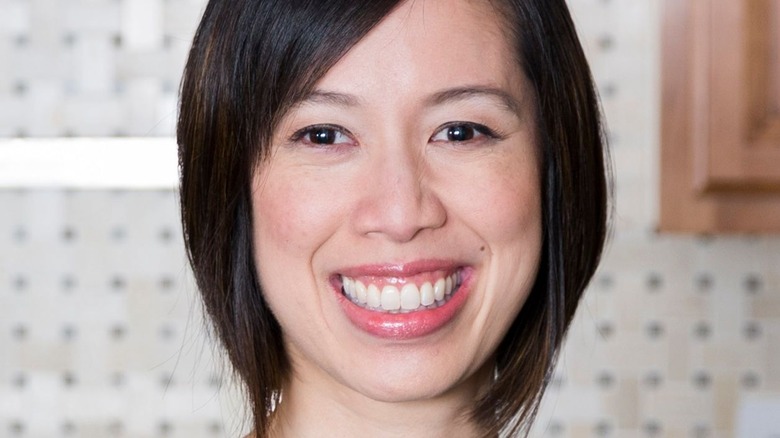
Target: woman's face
(397, 220)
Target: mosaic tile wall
(92, 67)
(100, 333)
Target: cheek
(288, 217)
(513, 212)
(502, 202)
(285, 237)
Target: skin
(390, 186)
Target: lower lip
(401, 326)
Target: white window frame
(89, 163)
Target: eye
(323, 135)
(463, 132)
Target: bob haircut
(251, 60)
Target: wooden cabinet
(720, 121)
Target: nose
(397, 201)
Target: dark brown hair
(251, 60)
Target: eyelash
(301, 134)
(482, 130)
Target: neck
(309, 408)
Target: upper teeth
(409, 297)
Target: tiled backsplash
(88, 68)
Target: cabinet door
(720, 153)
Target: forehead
(428, 45)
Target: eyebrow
(465, 93)
(330, 98)
(439, 98)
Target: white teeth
(426, 294)
(409, 298)
(349, 287)
(438, 289)
(373, 297)
(361, 292)
(391, 298)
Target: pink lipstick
(403, 301)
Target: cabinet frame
(720, 121)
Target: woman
(391, 207)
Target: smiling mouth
(401, 295)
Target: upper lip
(406, 269)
